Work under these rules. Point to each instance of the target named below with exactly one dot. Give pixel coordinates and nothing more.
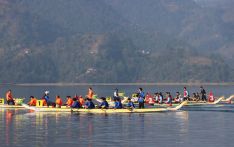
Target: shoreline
(120, 84)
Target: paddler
(58, 102)
(69, 101)
(81, 101)
(75, 103)
(203, 94)
(156, 96)
(211, 97)
(177, 99)
(104, 104)
(186, 94)
(160, 99)
(90, 93)
(141, 98)
(118, 104)
(46, 98)
(9, 98)
(89, 104)
(130, 104)
(169, 99)
(76, 97)
(33, 101)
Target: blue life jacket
(90, 105)
(118, 105)
(46, 98)
(104, 104)
(141, 97)
(75, 104)
(130, 104)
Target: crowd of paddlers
(139, 98)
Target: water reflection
(66, 129)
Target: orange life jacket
(33, 102)
(9, 96)
(69, 102)
(59, 101)
(90, 94)
(81, 100)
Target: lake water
(193, 127)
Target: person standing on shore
(203, 94)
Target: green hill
(114, 41)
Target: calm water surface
(206, 127)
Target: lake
(210, 127)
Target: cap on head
(47, 92)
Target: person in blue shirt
(130, 104)
(75, 103)
(104, 103)
(89, 104)
(47, 98)
(141, 98)
(118, 104)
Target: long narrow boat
(190, 103)
(11, 106)
(193, 103)
(146, 110)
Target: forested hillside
(115, 41)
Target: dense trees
(107, 41)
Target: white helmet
(47, 92)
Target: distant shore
(120, 84)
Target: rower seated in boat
(89, 104)
(169, 99)
(211, 97)
(118, 104)
(81, 101)
(130, 104)
(69, 101)
(75, 103)
(58, 102)
(104, 104)
(33, 101)
(149, 99)
(177, 99)
(160, 99)
(9, 98)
